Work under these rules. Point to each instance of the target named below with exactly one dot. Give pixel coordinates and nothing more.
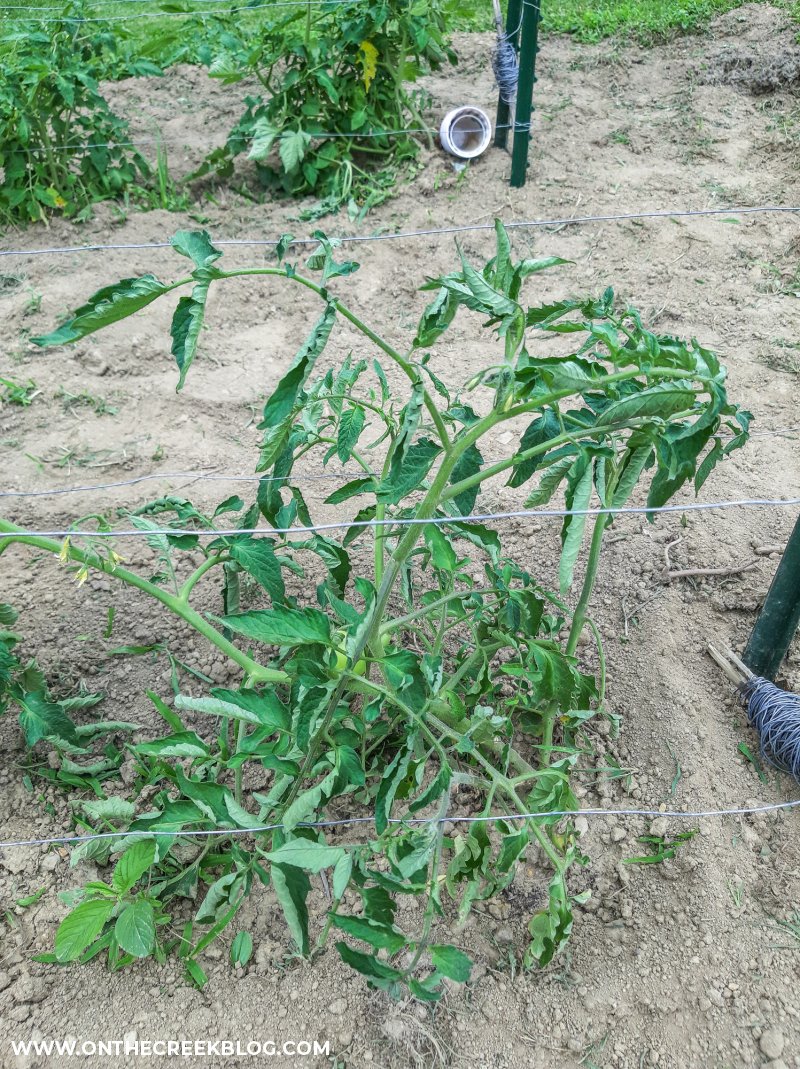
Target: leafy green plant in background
(61, 145)
(595, 20)
(426, 678)
(333, 84)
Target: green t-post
(779, 618)
(528, 49)
(503, 108)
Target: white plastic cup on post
(465, 132)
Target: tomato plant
(425, 678)
(332, 86)
(61, 145)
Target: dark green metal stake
(504, 109)
(528, 49)
(780, 614)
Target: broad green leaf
(196, 244)
(283, 399)
(436, 789)
(257, 557)
(350, 427)
(187, 322)
(264, 136)
(108, 305)
(436, 318)
(634, 465)
(135, 929)
(575, 375)
(221, 895)
(573, 528)
(111, 809)
(451, 962)
(408, 470)
(181, 744)
(41, 719)
(488, 299)
(551, 927)
(392, 777)
(442, 553)
(341, 875)
(536, 435)
(379, 936)
(707, 465)
(81, 927)
(351, 489)
(282, 627)
(265, 706)
(133, 864)
(292, 148)
(532, 267)
(378, 974)
(241, 948)
(291, 887)
(468, 464)
(550, 482)
(307, 855)
(8, 615)
(662, 400)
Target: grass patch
(594, 20)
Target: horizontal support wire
(315, 135)
(577, 220)
(410, 821)
(249, 5)
(484, 517)
(244, 9)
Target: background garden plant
(337, 116)
(410, 689)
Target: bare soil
(677, 965)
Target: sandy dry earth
(676, 965)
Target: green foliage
(333, 81)
(594, 20)
(428, 685)
(61, 145)
(18, 393)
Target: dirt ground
(677, 965)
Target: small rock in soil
(772, 1042)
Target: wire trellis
(520, 224)
(408, 521)
(454, 818)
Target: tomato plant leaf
(196, 245)
(257, 557)
(41, 719)
(350, 427)
(306, 854)
(451, 962)
(291, 887)
(107, 306)
(282, 626)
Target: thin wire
(244, 9)
(248, 4)
(352, 238)
(452, 818)
(406, 521)
(314, 135)
(197, 476)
